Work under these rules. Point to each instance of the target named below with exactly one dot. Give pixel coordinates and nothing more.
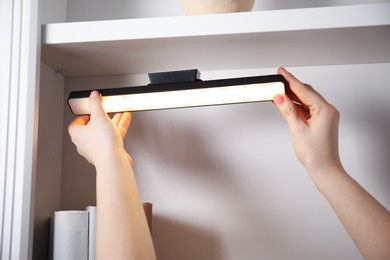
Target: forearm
(122, 229)
(364, 218)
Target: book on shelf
(70, 232)
(92, 232)
(74, 233)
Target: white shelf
(297, 37)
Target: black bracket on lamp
(174, 76)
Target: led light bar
(182, 94)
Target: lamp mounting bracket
(174, 76)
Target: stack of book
(74, 233)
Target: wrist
(317, 162)
(318, 172)
(112, 158)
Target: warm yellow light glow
(183, 98)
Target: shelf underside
(222, 52)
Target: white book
(74, 233)
(92, 232)
(70, 238)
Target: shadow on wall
(195, 138)
(180, 140)
(42, 234)
(189, 146)
(375, 123)
(179, 240)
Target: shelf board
(295, 37)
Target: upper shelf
(295, 37)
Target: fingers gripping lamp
(181, 89)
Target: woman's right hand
(313, 123)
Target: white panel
(49, 157)
(18, 126)
(5, 49)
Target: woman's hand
(313, 123)
(98, 137)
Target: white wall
(53, 11)
(88, 10)
(225, 182)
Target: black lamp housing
(181, 89)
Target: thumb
(96, 105)
(288, 110)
